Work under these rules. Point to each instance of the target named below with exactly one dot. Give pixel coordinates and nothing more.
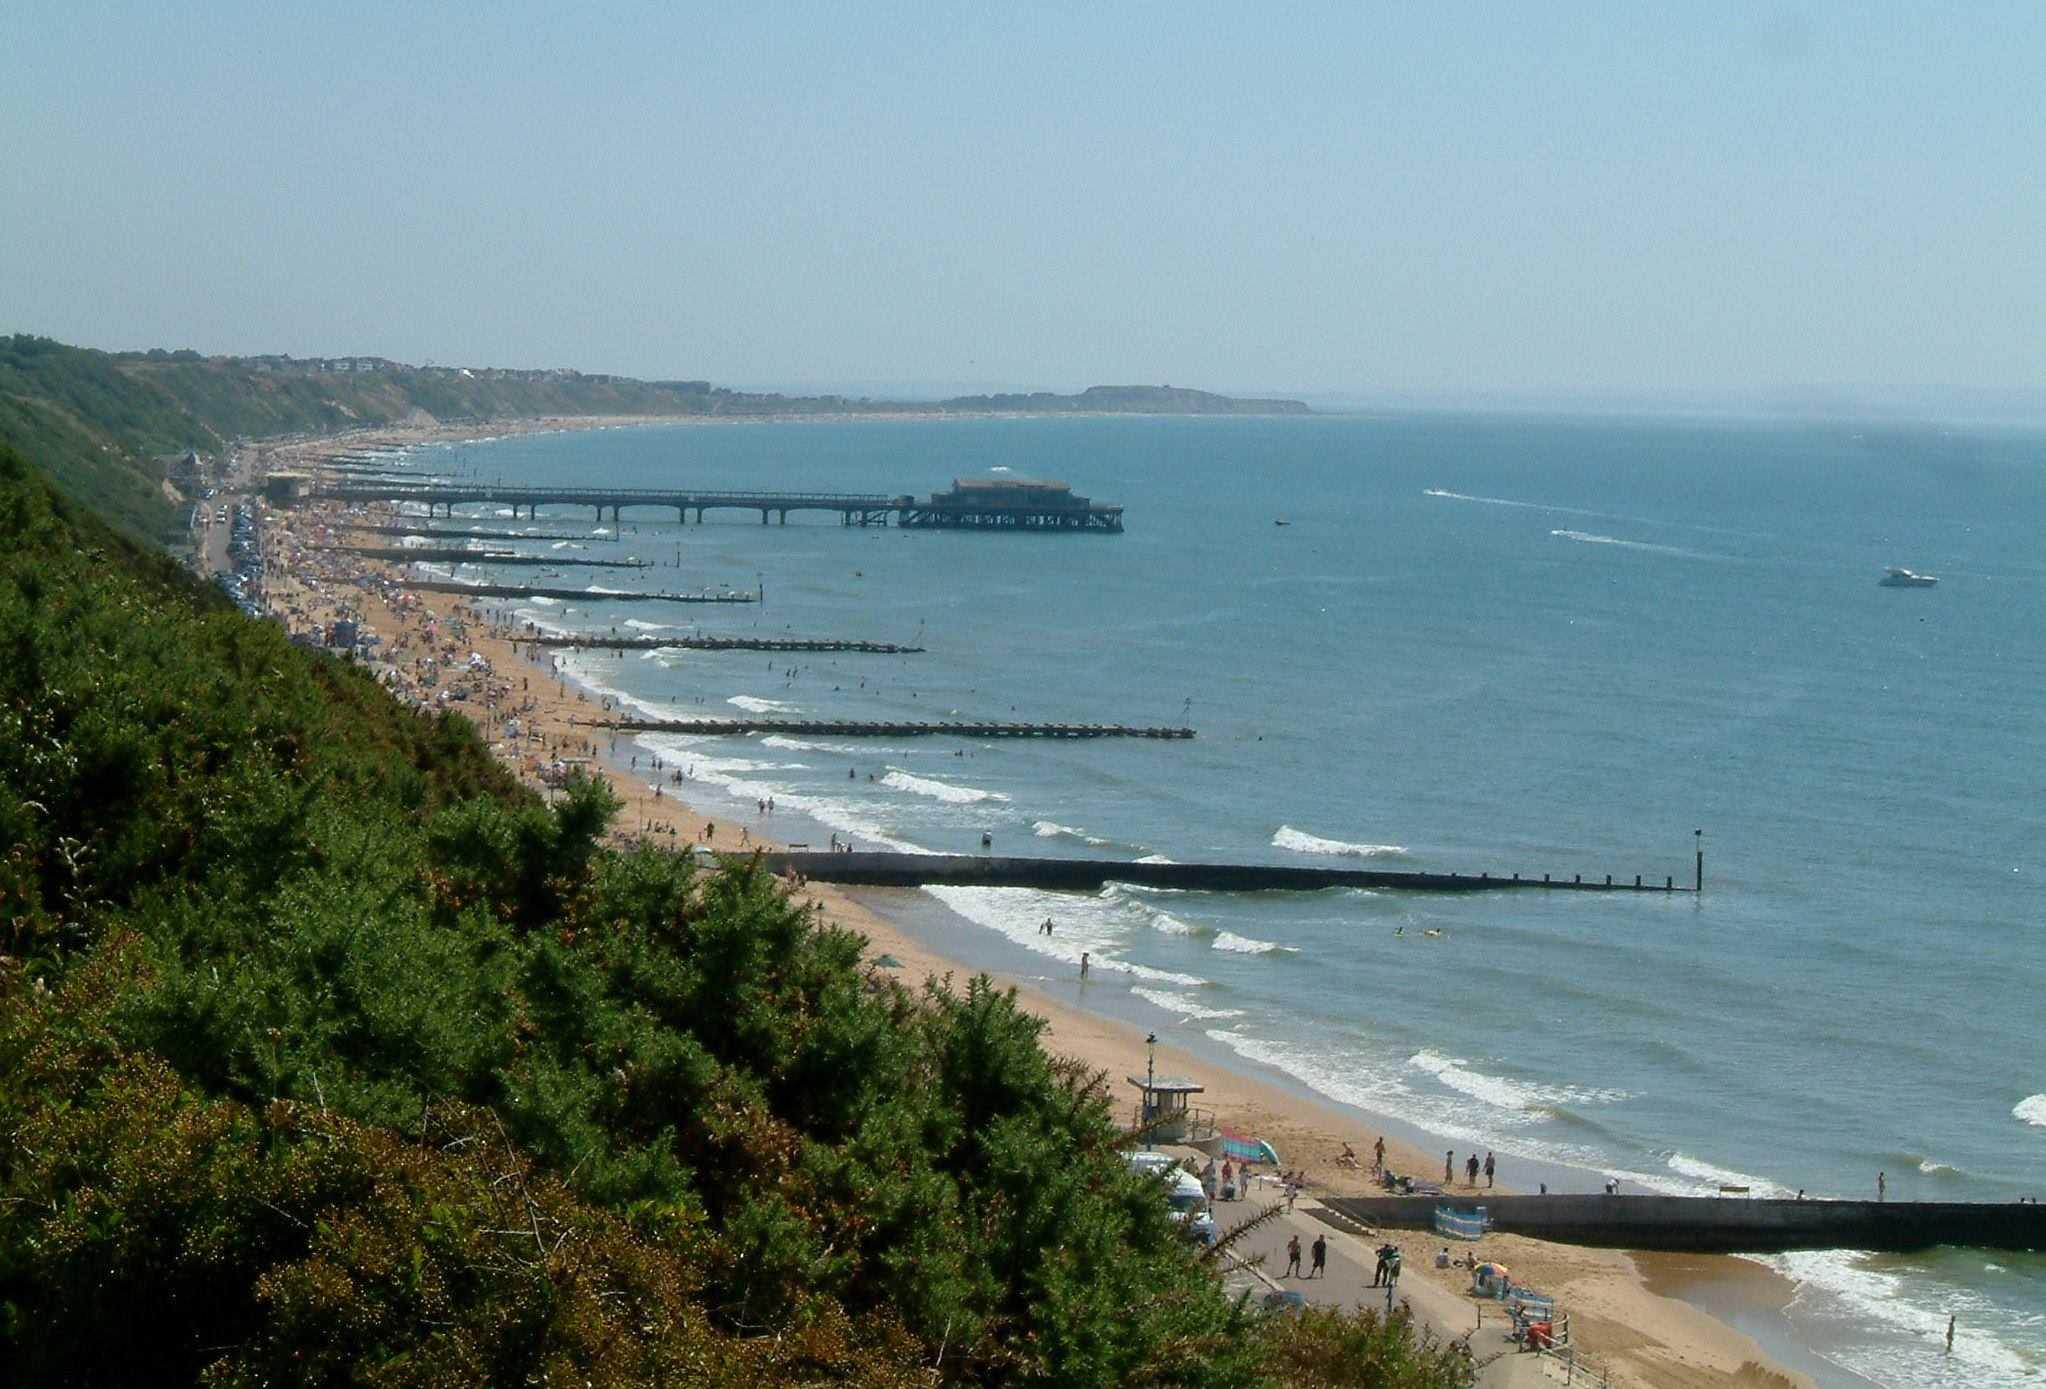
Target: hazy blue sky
(1436, 197)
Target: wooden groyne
(1091, 875)
(864, 728)
(650, 643)
(504, 557)
(1722, 1224)
(574, 595)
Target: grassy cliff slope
(328, 1054)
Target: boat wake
(1588, 538)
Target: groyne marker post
(1698, 837)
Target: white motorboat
(1898, 577)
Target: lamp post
(1150, 1083)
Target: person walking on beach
(1293, 1257)
(1489, 1169)
(1084, 957)
(1882, 1186)
(1470, 1168)
(1292, 1190)
(1449, 1167)
(1320, 1259)
(1378, 1154)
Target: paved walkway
(1347, 1283)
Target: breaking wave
(1300, 842)
(2032, 1110)
(754, 705)
(1518, 1096)
(938, 790)
(1246, 945)
(1046, 829)
(1186, 1005)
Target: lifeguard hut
(1165, 1112)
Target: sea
(1458, 643)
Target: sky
(1440, 198)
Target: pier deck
(878, 869)
(1722, 1224)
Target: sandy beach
(447, 651)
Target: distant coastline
(118, 427)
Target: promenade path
(1347, 1283)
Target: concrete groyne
(1722, 1225)
(865, 728)
(574, 595)
(443, 533)
(649, 643)
(401, 555)
(1091, 875)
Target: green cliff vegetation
(97, 420)
(329, 1054)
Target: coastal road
(1347, 1283)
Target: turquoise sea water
(1479, 644)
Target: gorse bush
(327, 1053)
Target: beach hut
(1165, 1112)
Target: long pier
(578, 595)
(509, 558)
(853, 508)
(1722, 1224)
(971, 504)
(649, 643)
(877, 869)
(866, 728)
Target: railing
(1198, 1124)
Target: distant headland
(120, 415)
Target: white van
(1190, 1205)
(1183, 1192)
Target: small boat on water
(1897, 576)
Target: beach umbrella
(1491, 1270)
(1271, 1154)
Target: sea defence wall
(1090, 875)
(1724, 1224)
